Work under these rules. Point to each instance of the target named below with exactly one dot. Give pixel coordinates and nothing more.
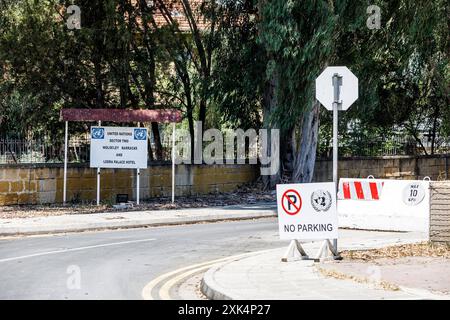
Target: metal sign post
(173, 162)
(336, 89)
(138, 174)
(337, 83)
(66, 138)
(98, 177)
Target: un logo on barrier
(140, 134)
(98, 133)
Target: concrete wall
(440, 211)
(398, 167)
(35, 184)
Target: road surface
(118, 264)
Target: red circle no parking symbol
(291, 202)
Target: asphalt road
(118, 264)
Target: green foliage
(299, 39)
(116, 61)
(238, 74)
(402, 67)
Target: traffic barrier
(394, 205)
(360, 190)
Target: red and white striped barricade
(383, 204)
(361, 190)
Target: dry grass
(423, 249)
(342, 276)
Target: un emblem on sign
(321, 200)
(140, 134)
(98, 133)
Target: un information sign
(118, 147)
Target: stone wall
(31, 184)
(36, 184)
(398, 167)
(440, 211)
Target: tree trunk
(157, 138)
(99, 102)
(305, 146)
(434, 129)
(191, 131)
(202, 113)
(269, 105)
(150, 152)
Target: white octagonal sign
(348, 87)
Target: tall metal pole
(138, 174)
(337, 83)
(98, 177)
(335, 145)
(173, 162)
(66, 138)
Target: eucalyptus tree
(398, 65)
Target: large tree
(402, 67)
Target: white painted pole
(335, 154)
(337, 82)
(173, 163)
(138, 173)
(66, 138)
(335, 145)
(98, 177)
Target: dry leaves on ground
(423, 249)
(245, 195)
(343, 276)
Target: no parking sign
(291, 202)
(307, 211)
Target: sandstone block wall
(37, 184)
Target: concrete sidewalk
(134, 219)
(264, 276)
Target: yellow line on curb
(164, 292)
(147, 290)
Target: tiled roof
(177, 13)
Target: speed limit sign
(413, 193)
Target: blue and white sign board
(307, 211)
(118, 147)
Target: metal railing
(46, 150)
(42, 151)
(392, 146)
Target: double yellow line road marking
(166, 282)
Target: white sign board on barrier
(118, 147)
(307, 211)
(383, 204)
